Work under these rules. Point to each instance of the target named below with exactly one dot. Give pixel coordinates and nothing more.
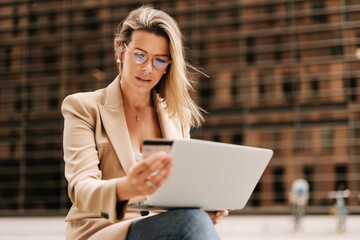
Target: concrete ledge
(230, 228)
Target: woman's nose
(147, 66)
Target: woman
(104, 130)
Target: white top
(138, 155)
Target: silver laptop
(207, 175)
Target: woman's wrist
(123, 192)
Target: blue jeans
(175, 224)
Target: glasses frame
(150, 56)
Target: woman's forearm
(123, 192)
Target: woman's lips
(143, 79)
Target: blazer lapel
(113, 119)
(169, 128)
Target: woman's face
(142, 77)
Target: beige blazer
(98, 151)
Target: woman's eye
(159, 60)
(140, 55)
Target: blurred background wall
(284, 74)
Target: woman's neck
(134, 99)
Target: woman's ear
(119, 53)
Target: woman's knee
(196, 224)
(175, 224)
(194, 216)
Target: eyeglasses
(140, 57)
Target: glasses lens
(139, 58)
(160, 63)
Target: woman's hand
(216, 216)
(145, 177)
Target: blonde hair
(174, 86)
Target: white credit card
(156, 145)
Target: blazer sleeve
(86, 189)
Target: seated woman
(104, 130)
